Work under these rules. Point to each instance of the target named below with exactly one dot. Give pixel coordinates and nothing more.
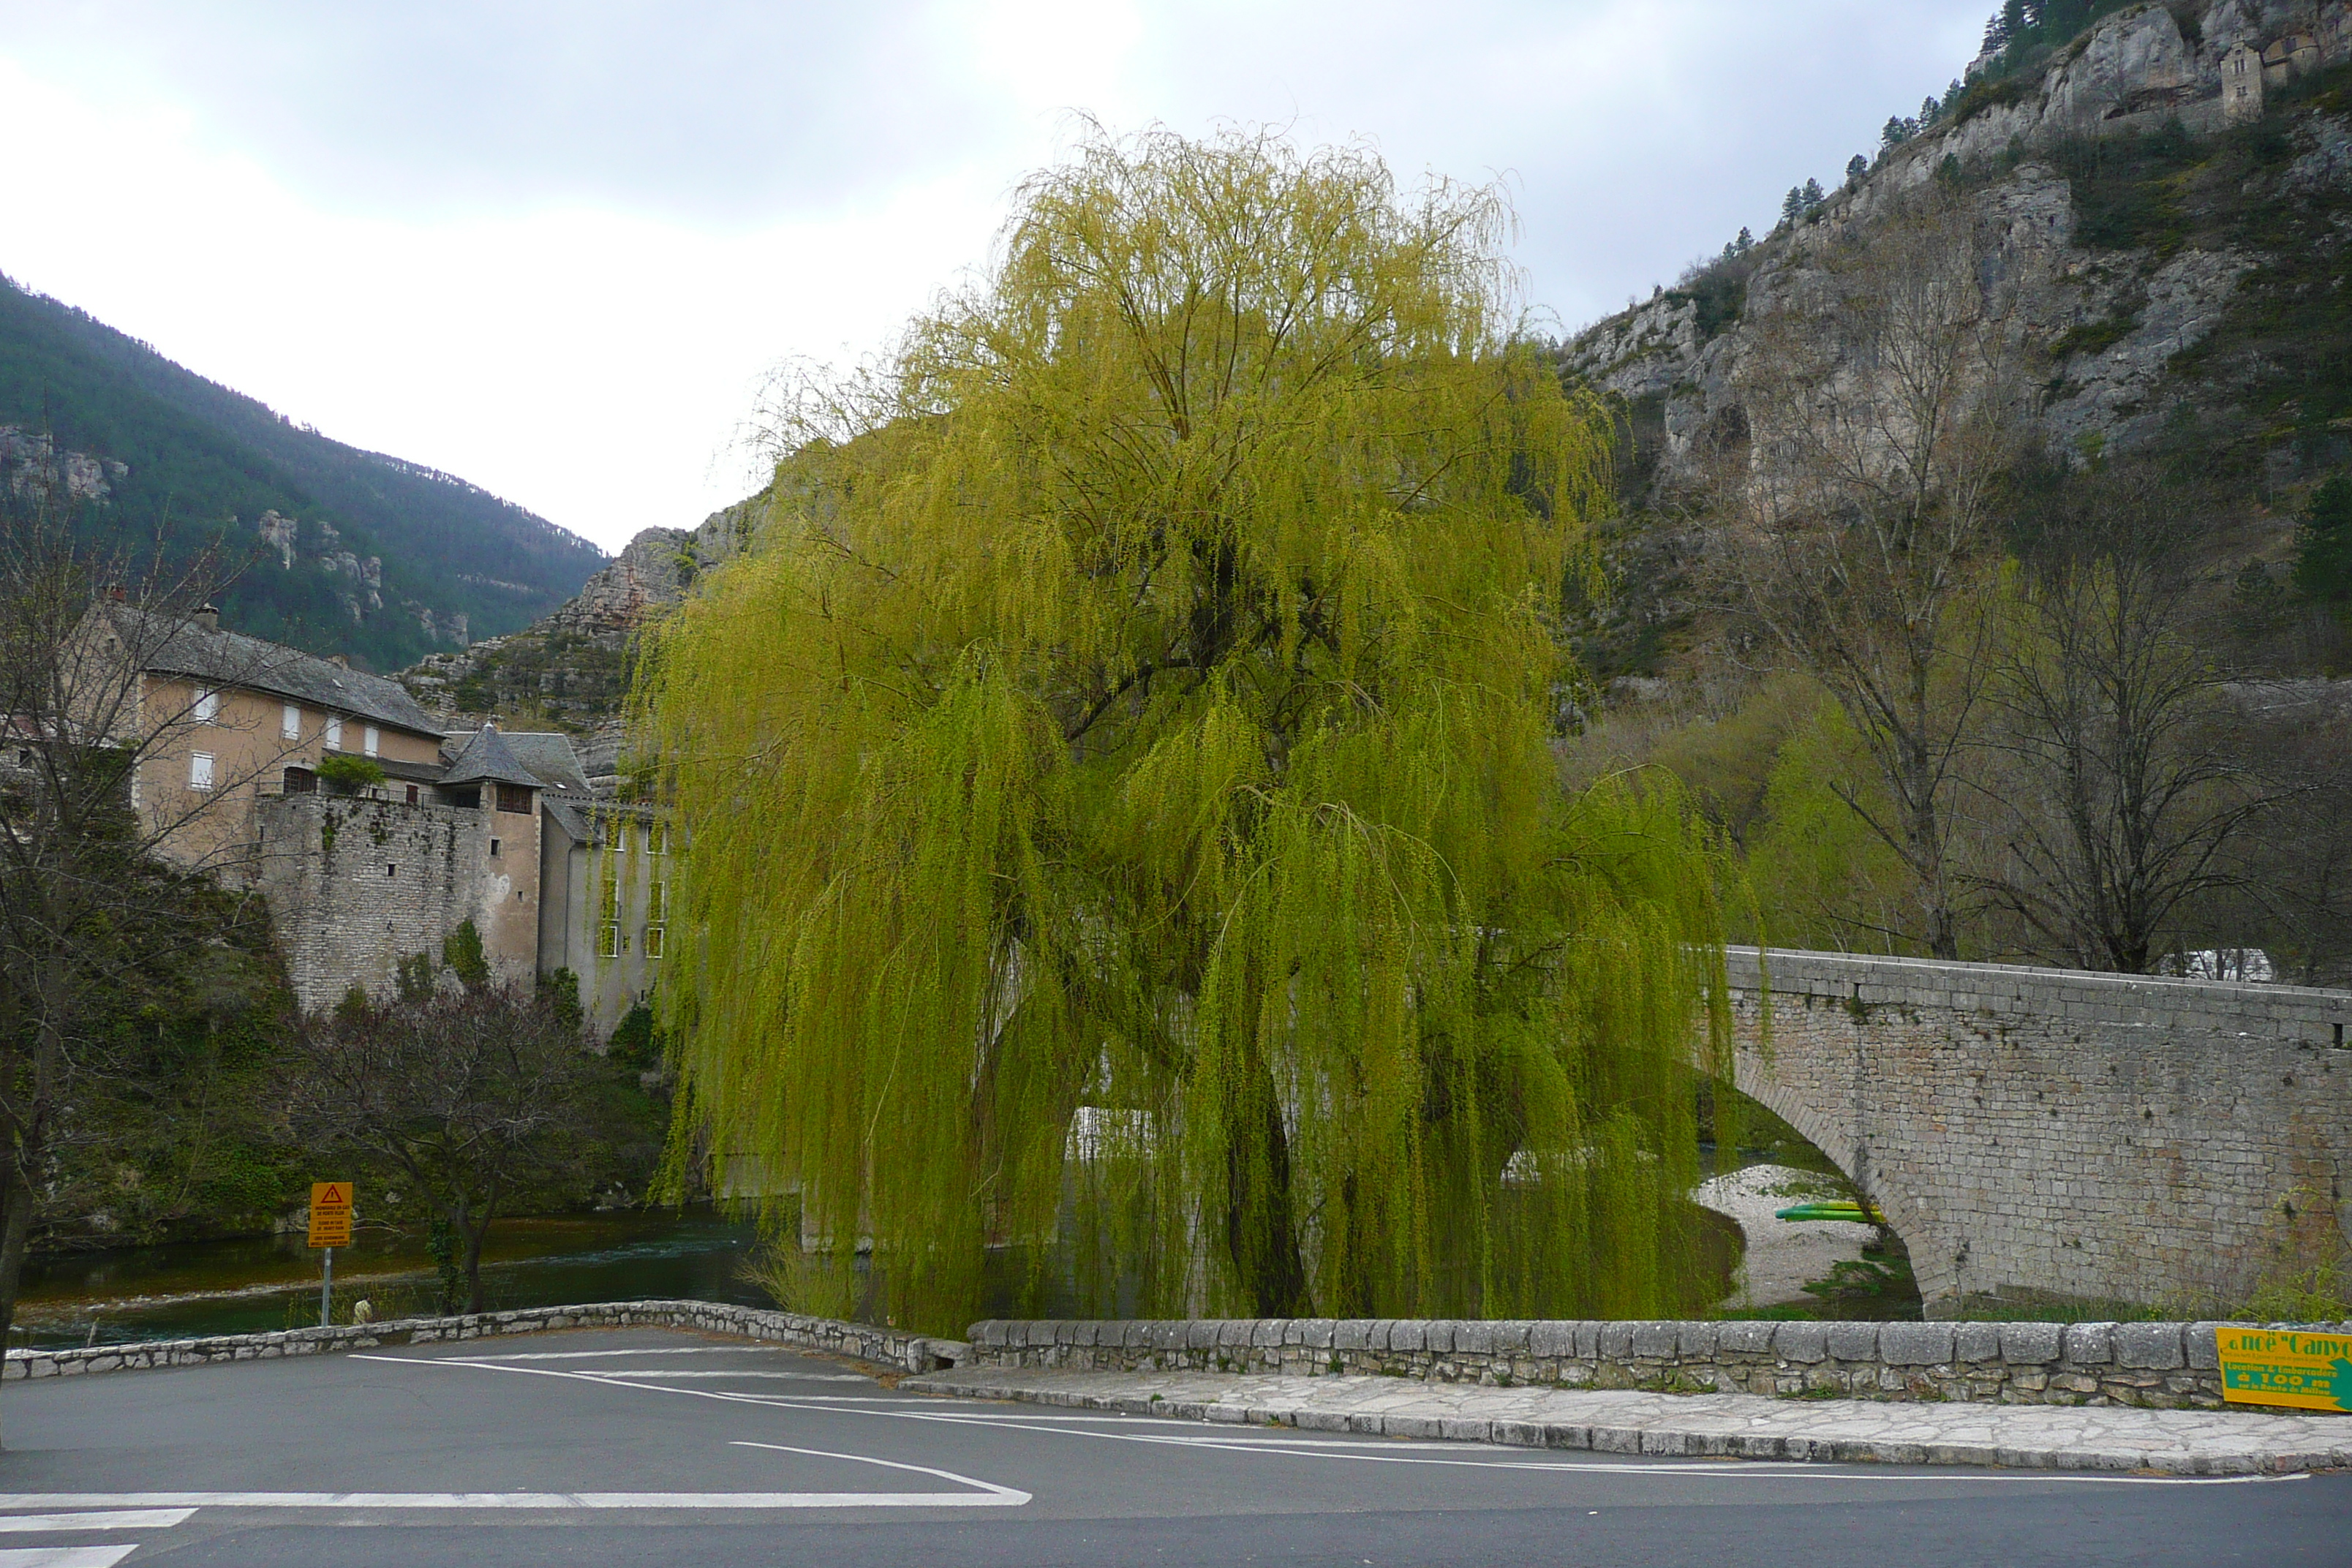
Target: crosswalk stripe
(116, 1518)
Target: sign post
(330, 1227)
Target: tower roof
(487, 758)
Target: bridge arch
(2053, 1133)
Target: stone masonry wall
(2156, 1364)
(886, 1347)
(2036, 1134)
(356, 885)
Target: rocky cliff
(2170, 220)
(2180, 177)
(571, 669)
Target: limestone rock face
(2115, 321)
(569, 669)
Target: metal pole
(327, 1288)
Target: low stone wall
(2159, 1364)
(886, 1347)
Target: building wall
(216, 828)
(354, 885)
(575, 909)
(2040, 1133)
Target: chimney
(207, 617)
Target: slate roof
(487, 758)
(232, 659)
(549, 754)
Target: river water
(254, 1284)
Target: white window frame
(370, 740)
(290, 721)
(200, 769)
(334, 739)
(207, 709)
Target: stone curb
(1549, 1419)
(863, 1341)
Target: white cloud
(552, 247)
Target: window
(390, 870)
(412, 794)
(290, 721)
(616, 834)
(656, 837)
(301, 781)
(608, 922)
(515, 798)
(207, 705)
(656, 917)
(653, 942)
(494, 848)
(369, 739)
(200, 769)
(334, 731)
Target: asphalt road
(651, 1447)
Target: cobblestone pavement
(1734, 1426)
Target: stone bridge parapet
(2062, 1135)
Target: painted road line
(601, 1355)
(988, 1496)
(1369, 1451)
(127, 1519)
(64, 1556)
(667, 1374)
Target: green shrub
(350, 774)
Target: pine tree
(1793, 205)
(2323, 562)
(1746, 242)
(1814, 195)
(1897, 131)
(1856, 167)
(1121, 809)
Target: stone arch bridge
(2054, 1135)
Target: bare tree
(482, 1099)
(1882, 395)
(2126, 777)
(2294, 862)
(85, 899)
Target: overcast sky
(553, 248)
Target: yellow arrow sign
(330, 1213)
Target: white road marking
(667, 1375)
(602, 1355)
(1751, 1469)
(64, 1556)
(988, 1496)
(132, 1519)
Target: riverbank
(258, 1284)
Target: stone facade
(355, 885)
(2162, 1366)
(2036, 1134)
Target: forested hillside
(344, 550)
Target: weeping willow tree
(1122, 829)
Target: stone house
(500, 830)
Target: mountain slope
(354, 551)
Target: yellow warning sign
(330, 1213)
(2285, 1366)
